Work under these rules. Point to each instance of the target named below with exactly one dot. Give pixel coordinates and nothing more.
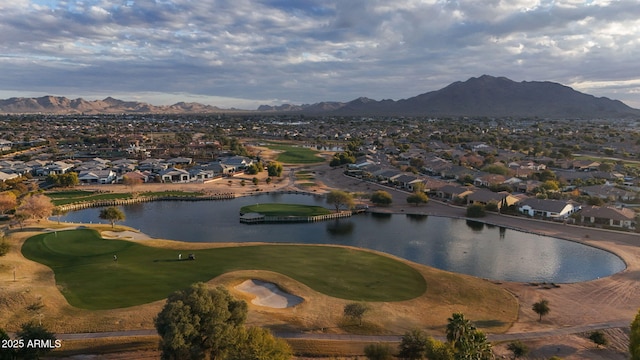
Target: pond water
(456, 245)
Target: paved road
(373, 338)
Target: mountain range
(486, 96)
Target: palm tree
(458, 328)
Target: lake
(456, 245)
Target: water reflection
(475, 225)
(475, 249)
(340, 227)
(417, 217)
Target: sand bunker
(269, 294)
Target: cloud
(312, 50)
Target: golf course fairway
(91, 278)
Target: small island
(274, 213)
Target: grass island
(276, 209)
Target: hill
(484, 96)
(488, 96)
(62, 105)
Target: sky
(241, 53)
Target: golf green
(89, 276)
(277, 209)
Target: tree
(598, 338)
(518, 349)
(541, 308)
(339, 198)
(8, 201)
(476, 211)
(58, 213)
(6, 353)
(634, 338)
(69, 179)
(36, 206)
(258, 343)
(255, 181)
(274, 169)
(32, 331)
(417, 198)
(381, 197)
(4, 247)
(413, 345)
(437, 350)
(253, 169)
(355, 311)
(112, 214)
(131, 181)
(458, 328)
(466, 341)
(378, 351)
(200, 323)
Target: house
(385, 175)
(201, 174)
(404, 180)
(153, 165)
(548, 208)
(219, 168)
(451, 192)
(238, 163)
(585, 165)
(180, 161)
(609, 192)
(609, 216)
(97, 177)
(6, 176)
(143, 176)
(485, 197)
(488, 180)
(124, 166)
(54, 168)
(5, 145)
(174, 175)
(528, 186)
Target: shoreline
(611, 300)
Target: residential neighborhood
(543, 169)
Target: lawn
(295, 154)
(89, 278)
(68, 197)
(275, 209)
(57, 199)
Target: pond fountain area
(457, 245)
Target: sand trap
(269, 294)
(127, 234)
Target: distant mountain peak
(483, 96)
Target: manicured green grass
(295, 154)
(175, 193)
(275, 209)
(69, 194)
(304, 176)
(67, 197)
(89, 277)
(92, 197)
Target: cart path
(371, 338)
